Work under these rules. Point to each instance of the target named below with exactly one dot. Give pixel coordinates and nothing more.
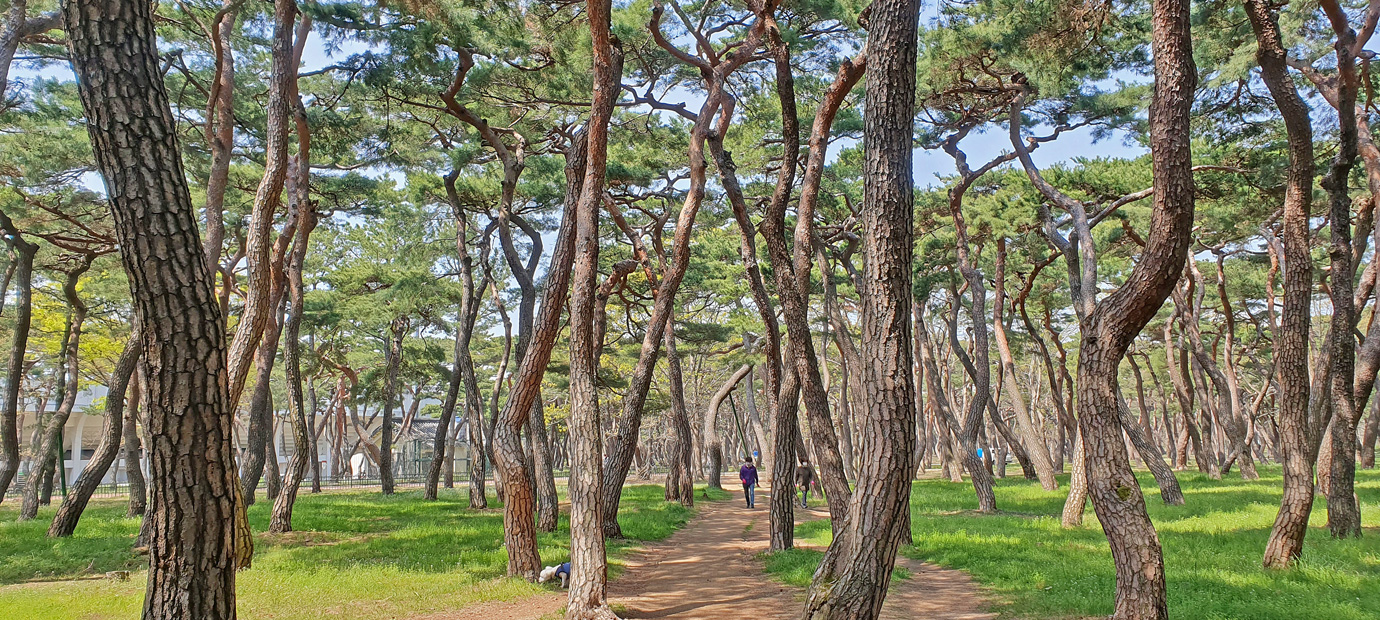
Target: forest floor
(355, 555)
(1030, 567)
(713, 570)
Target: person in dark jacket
(804, 477)
(747, 474)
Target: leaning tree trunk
(304, 452)
(470, 297)
(1151, 456)
(48, 461)
(196, 540)
(1291, 339)
(854, 585)
(19, 343)
(1115, 321)
(519, 527)
(267, 199)
(65, 522)
(1034, 442)
(588, 559)
(711, 421)
(716, 103)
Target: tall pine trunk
(588, 558)
(855, 583)
(1118, 318)
(14, 372)
(1291, 340)
(196, 540)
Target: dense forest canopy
(609, 239)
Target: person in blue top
(748, 476)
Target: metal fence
(411, 474)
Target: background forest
(387, 200)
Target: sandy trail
(709, 571)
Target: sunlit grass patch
(354, 555)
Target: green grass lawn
(1032, 568)
(355, 555)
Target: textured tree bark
(717, 103)
(680, 484)
(260, 428)
(781, 403)
(1368, 438)
(855, 583)
(1115, 321)
(65, 522)
(195, 539)
(981, 478)
(470, 297)
(134, 468)
(220, 133)
(589, 563)
(259, 289)
(48, 457)
(519, 527)
(1229, 409)
(792, 270)
(14, 372)
(1077, 501)
(1151, 456)
(1291, 338)
(548, 502)
(967, 429)
(304, 452)
(1343, 509)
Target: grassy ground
(1033, 568)
(355, 555)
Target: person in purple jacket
(748, 475)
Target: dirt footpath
(709, 571)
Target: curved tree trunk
(711, 422)
(259, 290)
(196, 540)
(65, 522)
(1150, 455)
(1115, 321)
(220, 132)
(470, 298)
(1291, 338)
(304, 452)
(14, 372)
(48, 457)
(717, 103)
(519, 527)
(1035, 444)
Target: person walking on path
(804, 477)
(747, 474)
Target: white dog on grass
(562, 571)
